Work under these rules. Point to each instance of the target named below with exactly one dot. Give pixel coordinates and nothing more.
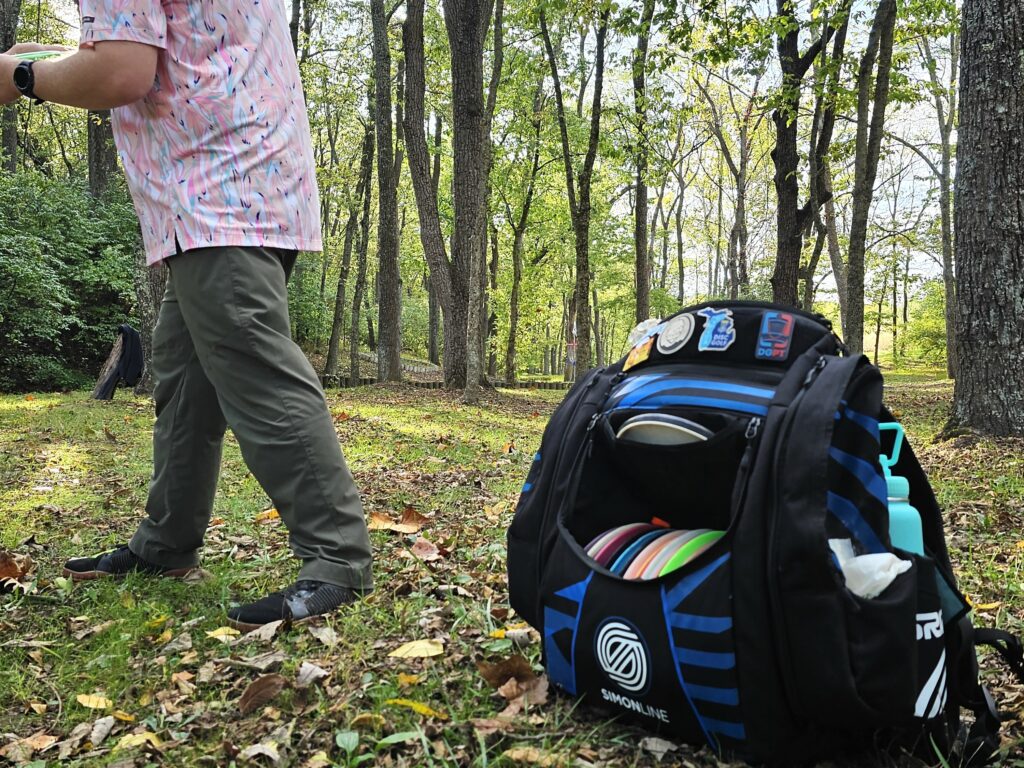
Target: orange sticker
(639, 354)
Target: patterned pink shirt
(218, 153)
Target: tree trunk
(579, 200)
(351, 226)
(870, 128)
(102, 154)
(643, 275)
(466, 22)
(362, 248)
(513, 310)
(989, 211)
(150, 283)
(389, 278)
(492, 319)
(679, 248)
(10, 11)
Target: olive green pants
(223, 356)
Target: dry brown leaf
(498, 674)
(368, 721)
(418, 649)
(308, 674)
(15, 571)
(406, 681)
(425, 550)
(267, 749)
(224, 634)
(411, 522)
(533, 756)
(264, 633)
(21, 751)
(261, 691)
(379, 522)
(268, 516)
(261, 663)
(180, 644)
(325, 635)
(101, 729)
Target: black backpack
(755, 647)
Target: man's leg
(187, 440)
(234, 302)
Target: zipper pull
(812, 374)
(753, 427)
(593, 422)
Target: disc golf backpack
(754, 646)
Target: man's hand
(8, 93)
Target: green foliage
(65, 280)
(925, 336)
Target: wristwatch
(25, 81)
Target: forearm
(106, 76)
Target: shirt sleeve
(135, 21)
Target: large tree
(9, 13)
(580, 196)
(989, 195)
(389, 277)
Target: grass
(73, 478)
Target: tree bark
(989, 221)
(870, 127)
(791, 218)
(150, 283)
(101, 151)
(643, 275)
(10, 12)
(389, 278)
(362, 247)
(351, 227)
(579, 200)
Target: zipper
(561, 454)
(741, 484)
(781, 638)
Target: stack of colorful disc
(641, 551)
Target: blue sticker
(775, 337)
(719, 332)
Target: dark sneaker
(302, 600)
(118, 564)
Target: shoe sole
(175, 573)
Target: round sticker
(677, 332)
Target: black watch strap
(25, 81)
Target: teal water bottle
(905, 530)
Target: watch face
(22, 76)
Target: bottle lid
(898, 487)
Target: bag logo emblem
(719, 332)
(622, 654)
(675, 334)
(776, 334)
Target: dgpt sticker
(774, 339)
(719, 333)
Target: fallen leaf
(265, 632)
(509, 447)
(124, 717)
(533, 691)
(109, 435)
(15, 571)
(417, 707)
(261, 663)
(405, 681)
(91, 701)
(368, 721)
(216, 521)
(657, 747)
(184, 681)
(268, 750)
(343, 416)
(181, 643)
(379, 522)
(411, 522)
(224, 634)
(308, 674)
(418, 649)
(101, 729)
(319, 760)
(38, 707)
(21, 751)
(268, 515)
(498, 674)
(325, 635)
(132, 740)
(425, 550)
(533, 756)
(261, 691)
